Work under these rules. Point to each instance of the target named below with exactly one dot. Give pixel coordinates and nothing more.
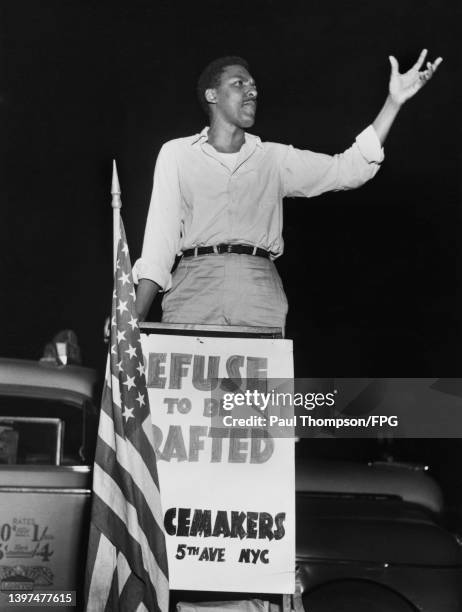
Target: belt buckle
(229, 248)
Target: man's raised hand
(404, 86)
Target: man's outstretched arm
(308, 174)
(402, 87)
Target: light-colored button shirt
(198, 201)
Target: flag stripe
(144, 455)
(115, 387)
(122, 540)
(132, 594)
(147, 449)
(134, 496)
(123, 571)
(100, 584)
(111, 494)
(92, 552)
(108, 409)
(112, 602)
(134, 463)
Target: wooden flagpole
(116, 206)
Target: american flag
(127, 561)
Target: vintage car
(47, 436)
(370, 536)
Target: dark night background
(372, 275)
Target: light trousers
(226, 289)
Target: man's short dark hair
(211, 76)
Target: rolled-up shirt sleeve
(162, 233)
(308, 174)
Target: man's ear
(211, 96)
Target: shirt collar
(250, 139)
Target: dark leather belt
(219, 249)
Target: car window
(42, 431)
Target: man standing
(217, 201)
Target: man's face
(235, 98)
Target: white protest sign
(228, 502)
